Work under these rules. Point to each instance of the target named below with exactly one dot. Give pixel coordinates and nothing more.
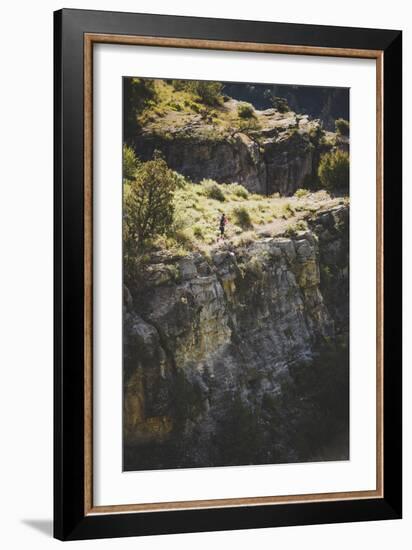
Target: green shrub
(181, 181)
(130, 163)
(246, 125)
(239, 190)
(208, 92)
(317, 134)
(287, 210)
(179, 84)
(301, 193)
(176, 106)
(242, 218)
(342, 126)
(138, 93)
(198, 232)
(245, 110)
(213, 190)
(301, 225)
(183, 238)
(291, 231)
(148, 204)
(280, 104)
(334, 170)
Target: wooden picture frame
(76, 33)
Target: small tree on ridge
(148, 203)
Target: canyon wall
(279, 157)
(241, 356)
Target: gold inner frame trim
(89, 40)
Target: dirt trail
(311, 205)
(280, 225)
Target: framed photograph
(227, 274)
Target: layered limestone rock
(209, 341)
(280, 155)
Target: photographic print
(235, 273)
(212, 200)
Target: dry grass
(173, 108)
(197, 216)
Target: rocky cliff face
(324, 103)
(282, 155)
(241, 357)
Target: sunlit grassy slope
(198, 208)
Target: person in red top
(222, 224)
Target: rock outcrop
(324, 103)
(221, 354)
(280, 155)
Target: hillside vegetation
(171, 105)
(169, 205)
(235, 347)
(197, 214)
